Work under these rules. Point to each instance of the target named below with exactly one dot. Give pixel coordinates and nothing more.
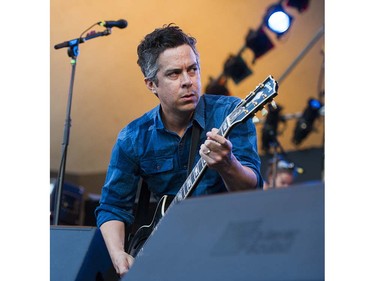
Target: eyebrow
(179, 70)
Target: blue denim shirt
(145, 148)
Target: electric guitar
(247, 108)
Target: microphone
(109, 24)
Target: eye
(173, 74)
(193, 70)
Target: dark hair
(282, 166)
(156, 42)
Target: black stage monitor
(79, 254)
(258, 235)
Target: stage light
(270, 128)
(217, 86)
(305, 123)
(258, 42)
(236, 68)
(277, 20)
(300, 5)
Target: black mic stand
(73, 52)
(275, 144)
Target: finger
(130, 260)
(213, 135)
(214, 146)
(204, 150)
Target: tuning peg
(273, 104)
(264, 111)
(255, 119)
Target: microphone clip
(93, 34)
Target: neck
(177, 123)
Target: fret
(183, 190)
(221, 130)
(188, 183)
(180, 197)
(202, 164)
(192, 176)
(196, 171)
(225, 126)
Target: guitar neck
(198, 170)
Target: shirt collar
(199, 113)
(158, 122)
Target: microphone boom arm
(74, 42)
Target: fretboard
(199, 168)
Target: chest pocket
(156, 166)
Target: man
(280, 173)
(155, 147)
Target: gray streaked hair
(156, 42)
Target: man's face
(284, 179)
(179, 84)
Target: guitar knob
(273, 104)
(255, 119)
(264, 111)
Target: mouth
(189, 95)
(189, 98)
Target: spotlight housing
(258, 42)
(305, 123)
(270, 127)
(217, 86)
(300, 5)
(277, 20)
(236, 68)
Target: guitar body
(144, 232)
(255, 101)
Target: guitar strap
(193, 146)
(141, 212)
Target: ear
(150, 85)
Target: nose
(186, 80)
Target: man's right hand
(122, 262)
(114, 236)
